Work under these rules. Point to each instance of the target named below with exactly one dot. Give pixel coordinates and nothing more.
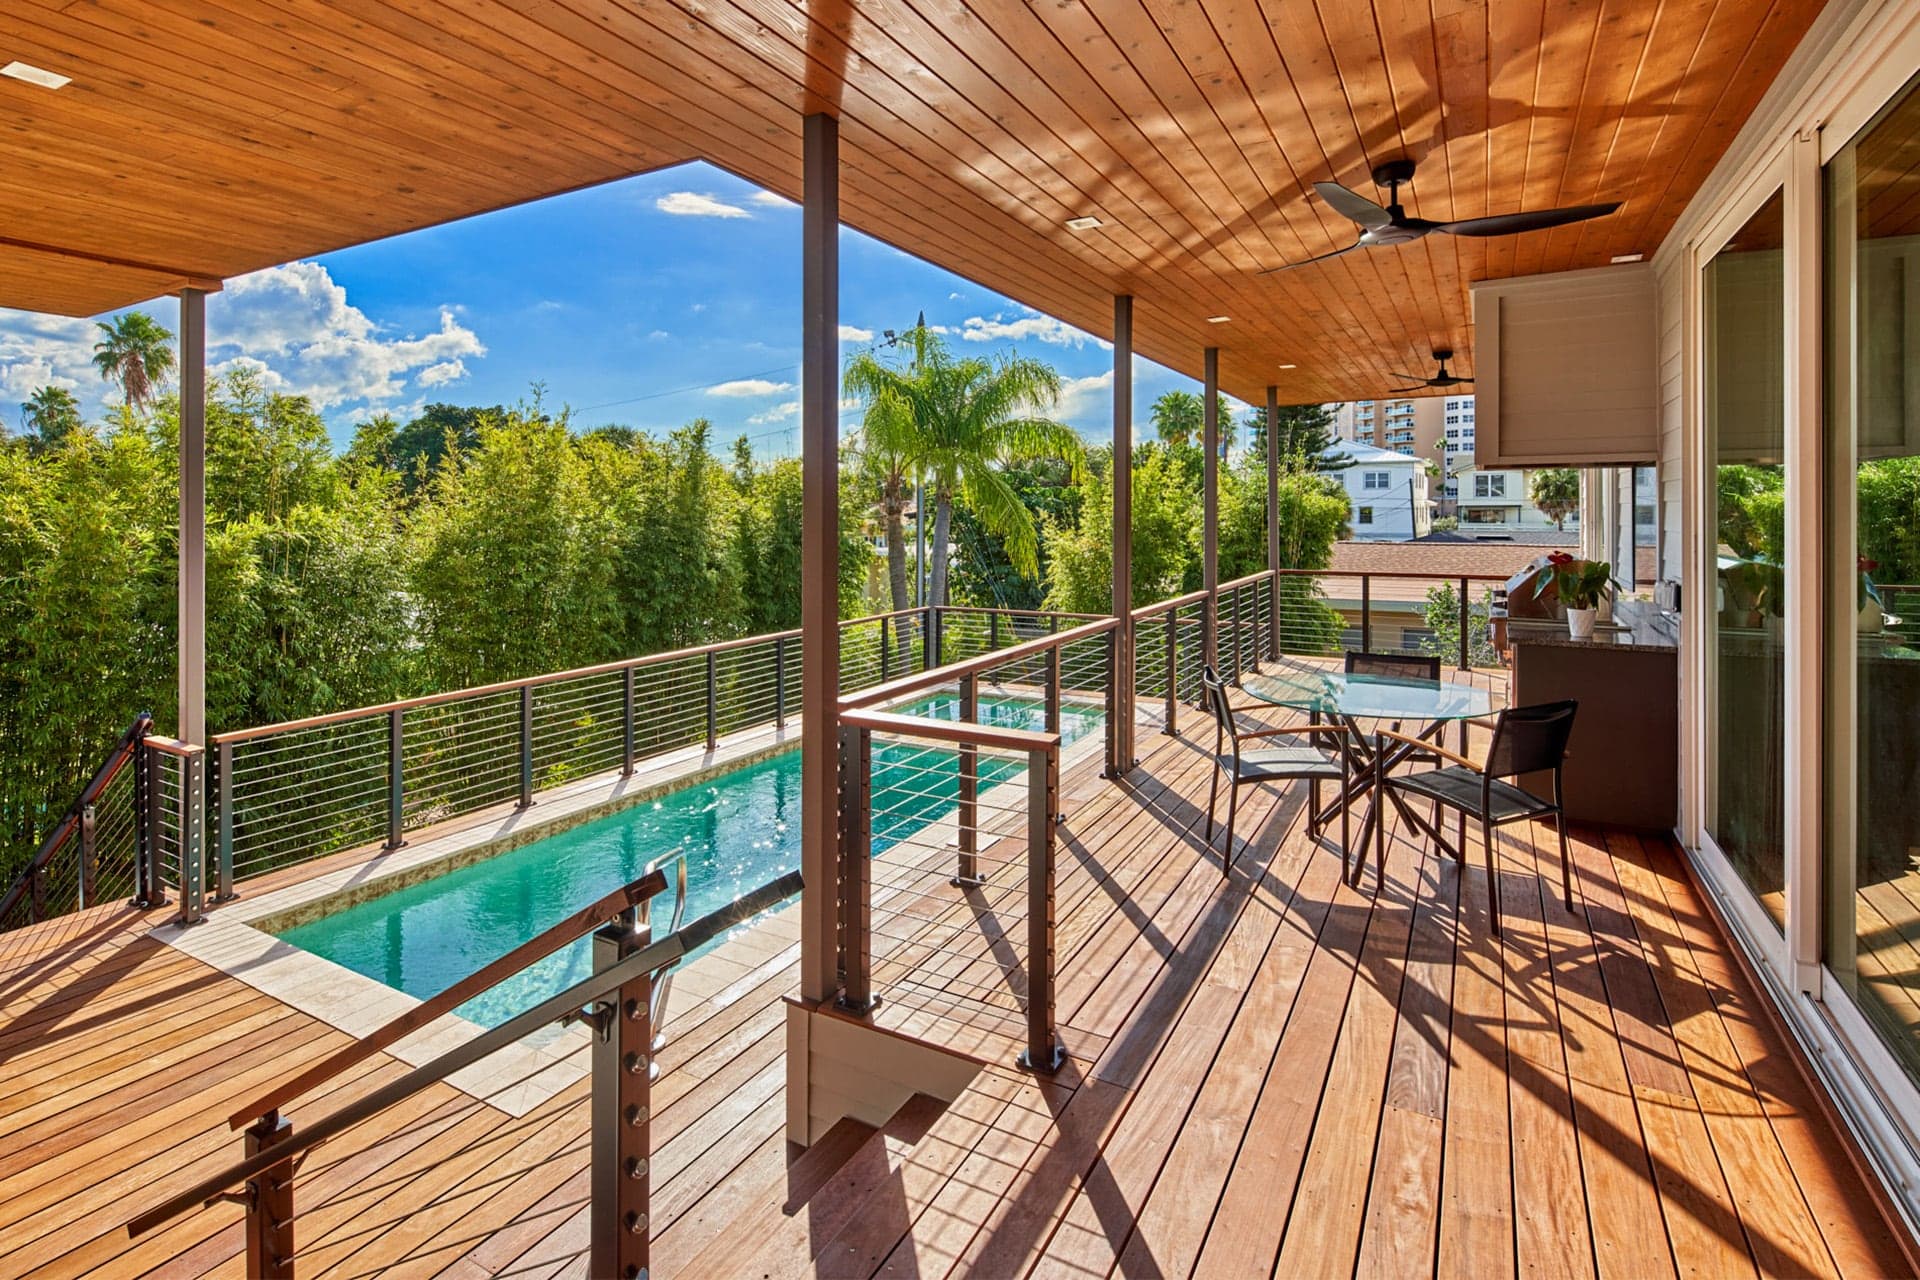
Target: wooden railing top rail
(937, 676)
(596, 987)
(1427, 576)
(171, 746)
(548, 941)
(1245, 580)
(1019, 613)
(1165, 606)
(965, 733)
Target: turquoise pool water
(739, 830)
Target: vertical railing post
(1466, 622)
(713, 700)
(1050, 688)
(1366, 613)
(932, 648)
(1273, 615)
(1233, 620)
(886, 648)
(856, 869)
(270, 1202)
(526, 746)
(191, 818)
(780, 683)
(1115, 739)
(396, 777)
(148, 891)
(1043, 1051)
(1173, 668)
(37, 895)
(619, 1222)
(626, 722)
(968, 816)
(89, 855)
(223, 889)
(993, 631)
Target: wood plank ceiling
(200, 139)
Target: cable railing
(92, 855)
(294, 1174)
(1324, 613)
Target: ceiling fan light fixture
(1086, 223)
(35, 75)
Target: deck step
(814, 1197)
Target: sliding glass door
(1871, 939)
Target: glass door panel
(1871, 942)
(1744, 297)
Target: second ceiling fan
(1389, 223)
(1441, 379)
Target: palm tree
(1179, 418)
(957, 421)
(51, 413)
(134, 353)
(1556, 492)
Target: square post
(148, 890)
(192, 724)
(89, 856)
(1120, 669)
(968, 817)
(618, 1218)
(1043, 1052)
(190, 830)
(1466, 623)
(1273, 520)
(1173, 669)
(1210, 512)
(526, 746)
(713, 701)
(819, 551)
(856, 867)
(223, 818)
(779, 683)
(270, 1203)
(626, 723)
(396, 778)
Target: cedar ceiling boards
(201, 139)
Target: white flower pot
(1580, 623)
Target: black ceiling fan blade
(1509, 224)
(1411, 377)
(1307, 262)
(1400, 391)
(1351, 204)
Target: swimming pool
(739, 829)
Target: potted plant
(1580, 585)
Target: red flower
(1868, 566)
(1559, 558)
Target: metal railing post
(223, 890)
(1050, 677)
(968, 817)
(37, 895)
(270, 1203)
(1233, 620)
(626, 723)
(619, 1223)
(1273, 614)
(856, 869)
(713, 701)
(192, 820)
(1466, 622)
(780, 683)
(396, 779)
(1173, 668)
(89, 855)
(886, 647)
(526, 746)
(148, 891)
(1115, 738)
(1043, 1052)
(931, 647)
(993, 631)
(1366, 613)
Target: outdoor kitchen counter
(1623, 764)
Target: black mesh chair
(1525, 740)
(1287, 762)
(1399, 666)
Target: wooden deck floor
(1277, 1074)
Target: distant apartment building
(1440, 429)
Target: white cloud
(44, 351)
(953, 297)
(658, 335)
(692, 204)
(779, 413)
(1081, 395)
(771, 201)
(1031, 325)
(295, 321)
(749, 387)
(853, 333)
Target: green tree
(133, 352)
(959, 421)
(1165, 536)
(51, 414)
(1179, 418)
(1555, 491)
(1305, 437)
(983, 573)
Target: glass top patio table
(1365, 697)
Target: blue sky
(646, 302)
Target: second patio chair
(1299, 759)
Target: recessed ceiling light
(1083, 224)
(1628, 257)
(1217, 319)
(1289, 366)
(34, 75)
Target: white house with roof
(1386, 491)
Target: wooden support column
(1210, 512)
(192, 724)
(1273, 519)
(1120, 738)
(820, 557)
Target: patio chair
(1525, 740)
(1287, 762)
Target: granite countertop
(1637, 627)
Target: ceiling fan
(1390, 224)
(1441, 379)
